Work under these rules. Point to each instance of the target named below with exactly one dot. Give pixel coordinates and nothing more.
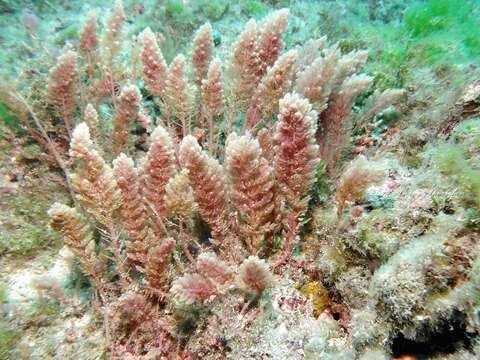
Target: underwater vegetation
(260, 192)
(438, 34)
(230, 189)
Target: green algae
(460, 161)
(255, 8)
(8, 119)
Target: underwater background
(303, 185)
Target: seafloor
(381, 257)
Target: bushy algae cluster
(269, 195)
